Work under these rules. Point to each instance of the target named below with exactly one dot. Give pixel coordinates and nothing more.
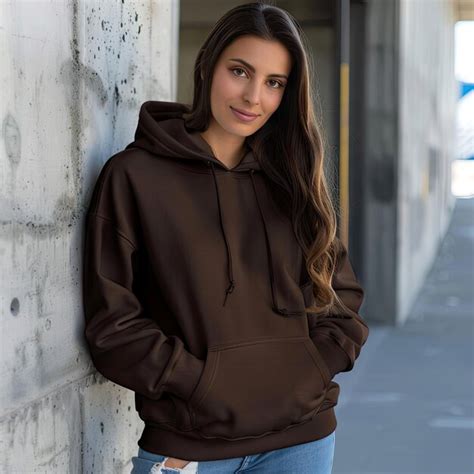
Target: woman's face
(250, 75)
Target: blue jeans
(315, 457)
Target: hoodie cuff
(185, 375)
(333, 355)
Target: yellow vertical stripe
(344, 156)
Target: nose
(252, 93)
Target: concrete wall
(427, 108)
(73, 75)
(378, 158)
(410, 95)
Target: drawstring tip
(286, 312)
(229, 291)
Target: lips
(243, 117)
(248, 114)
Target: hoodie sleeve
(126, 346)
(340, 337)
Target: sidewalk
(408, 408)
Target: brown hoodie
(194, 288)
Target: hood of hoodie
(161, 130)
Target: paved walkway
(409, 406)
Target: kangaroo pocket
(250, 389)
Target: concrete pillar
(73, 75)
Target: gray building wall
(410, 103)
(426, 140)
(73, 75)
(380, 158)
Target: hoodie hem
(169, 443)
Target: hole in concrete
(15, 306)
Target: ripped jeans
(315, 457)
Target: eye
(238, 69)
(281, 85)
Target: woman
(215, 287)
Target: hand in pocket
(253, 388)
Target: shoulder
(129, 167)
(125, 161)
(113, 180)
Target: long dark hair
(292, 137)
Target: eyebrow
(245, 63)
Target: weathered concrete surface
(73, 75)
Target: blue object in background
(466, 130)
(465, 88)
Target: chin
(240, 131)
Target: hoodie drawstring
(231, 287)
(275, 307)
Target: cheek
(273, 101)
(224, 86)
(270, 104)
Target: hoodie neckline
(162, 131)
(201, 142)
